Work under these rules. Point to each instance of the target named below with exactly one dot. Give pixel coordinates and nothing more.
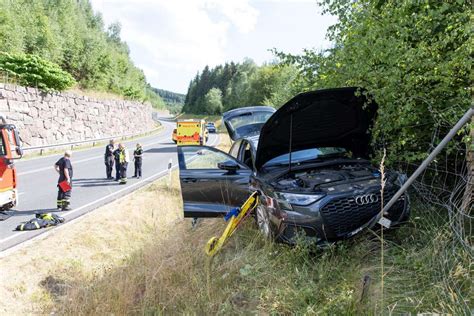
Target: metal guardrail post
(463, 121)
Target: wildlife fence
(438, 264)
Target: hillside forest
(69, 39)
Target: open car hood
(322, 118)
(247, 121)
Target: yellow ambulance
(191, 132)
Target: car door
(212, 182)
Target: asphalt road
(38, 191)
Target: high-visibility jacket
(124, 156)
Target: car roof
(256, 108)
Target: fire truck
(10, 150)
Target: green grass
(425, 271)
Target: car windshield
(210, 124)
(250, 119)
(307, 155)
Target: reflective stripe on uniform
(37, 225)
(22, 226)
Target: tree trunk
(468, 193)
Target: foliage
(34, 71)
(71, 35)
(170, 97)
(413, 57)
(174, 101)
(213, 101)
(243, 84)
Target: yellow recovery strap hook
(235, 217)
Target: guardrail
(41, 148)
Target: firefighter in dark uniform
(109, 159)
(137, 157)
(116, 154)
(64, 167)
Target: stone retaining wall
(52, 118)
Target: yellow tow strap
(215, 243)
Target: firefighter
(64, 168)
(116, 154)
(137, 157)
(124, 158)
(109, 159)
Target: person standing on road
(116, 154)
(64, 168)
(137, 157)
(124, 159)
(109, 159)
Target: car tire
(263, 222)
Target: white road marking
(158, 174)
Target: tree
(213, 101)
(414, 59)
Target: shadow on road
(33, 212)
(161, 150)
(93, 182)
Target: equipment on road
(235, 217)
(41, 220)
(191, 132)
(10, 150)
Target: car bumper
(321, 223)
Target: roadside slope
(32, 278)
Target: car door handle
(187, 180)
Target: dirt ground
(32, 277)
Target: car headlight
(300, 199)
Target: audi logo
(366, 199)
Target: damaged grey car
(309, 161)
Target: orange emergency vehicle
(10, 149)
(191, 132)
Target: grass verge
(139, 256)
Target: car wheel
(263, 222)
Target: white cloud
(184, 35)
(171, 40)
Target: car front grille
(344, 215)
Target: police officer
(64, 167)
(116, 154)
(124, 158)
(137, 157)
(109, 159)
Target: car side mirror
(228, 165)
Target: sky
(171, 40)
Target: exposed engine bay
(335, 178)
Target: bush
(34, 71)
